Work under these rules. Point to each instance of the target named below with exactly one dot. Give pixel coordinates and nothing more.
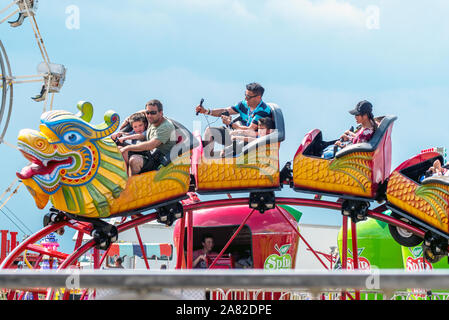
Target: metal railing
(387, 281)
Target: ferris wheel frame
(7, 89)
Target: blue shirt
(248, 117)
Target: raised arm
(214, 112)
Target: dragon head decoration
(73, 163)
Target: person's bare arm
(198, 259)
(243, 138)
(347, 135)
(237, 126)
(117, 135)
(144, 146)
(214, 112)
(219, 111)
(136, 136)
(247, 133)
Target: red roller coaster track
(68, 260)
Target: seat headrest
(277, 136)
(385, 123)
(436, 179)
(183, 135)
(371, 145)
(278, 119)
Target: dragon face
(72, 161)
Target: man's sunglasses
(151, 112)
(250, 97)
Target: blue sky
(316, 60)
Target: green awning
(295, 213)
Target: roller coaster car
(420, 202)
(81, 170)
(358, 171)
(255, 168)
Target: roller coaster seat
(169, 184)
(356, 171)
(414, 168)
(105, 189)
(444, 180)
(378, 138)
(184, 138)
(255, 167)
(422, 201)
(278, 134)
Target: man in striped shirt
(250, 110)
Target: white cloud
(239, 9)
(317, 13)
(311, 13)
(227, 9)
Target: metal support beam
(232, 238)
(355, 252)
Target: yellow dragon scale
(255, 170)
(407, 196)
(350, 174)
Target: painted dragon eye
(73, 137)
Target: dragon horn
(86, 110)
(111, 123)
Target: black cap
(363, 107)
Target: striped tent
(160, 251)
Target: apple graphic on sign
(283, 260)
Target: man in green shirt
(160, 139)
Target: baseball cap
(363, 107)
